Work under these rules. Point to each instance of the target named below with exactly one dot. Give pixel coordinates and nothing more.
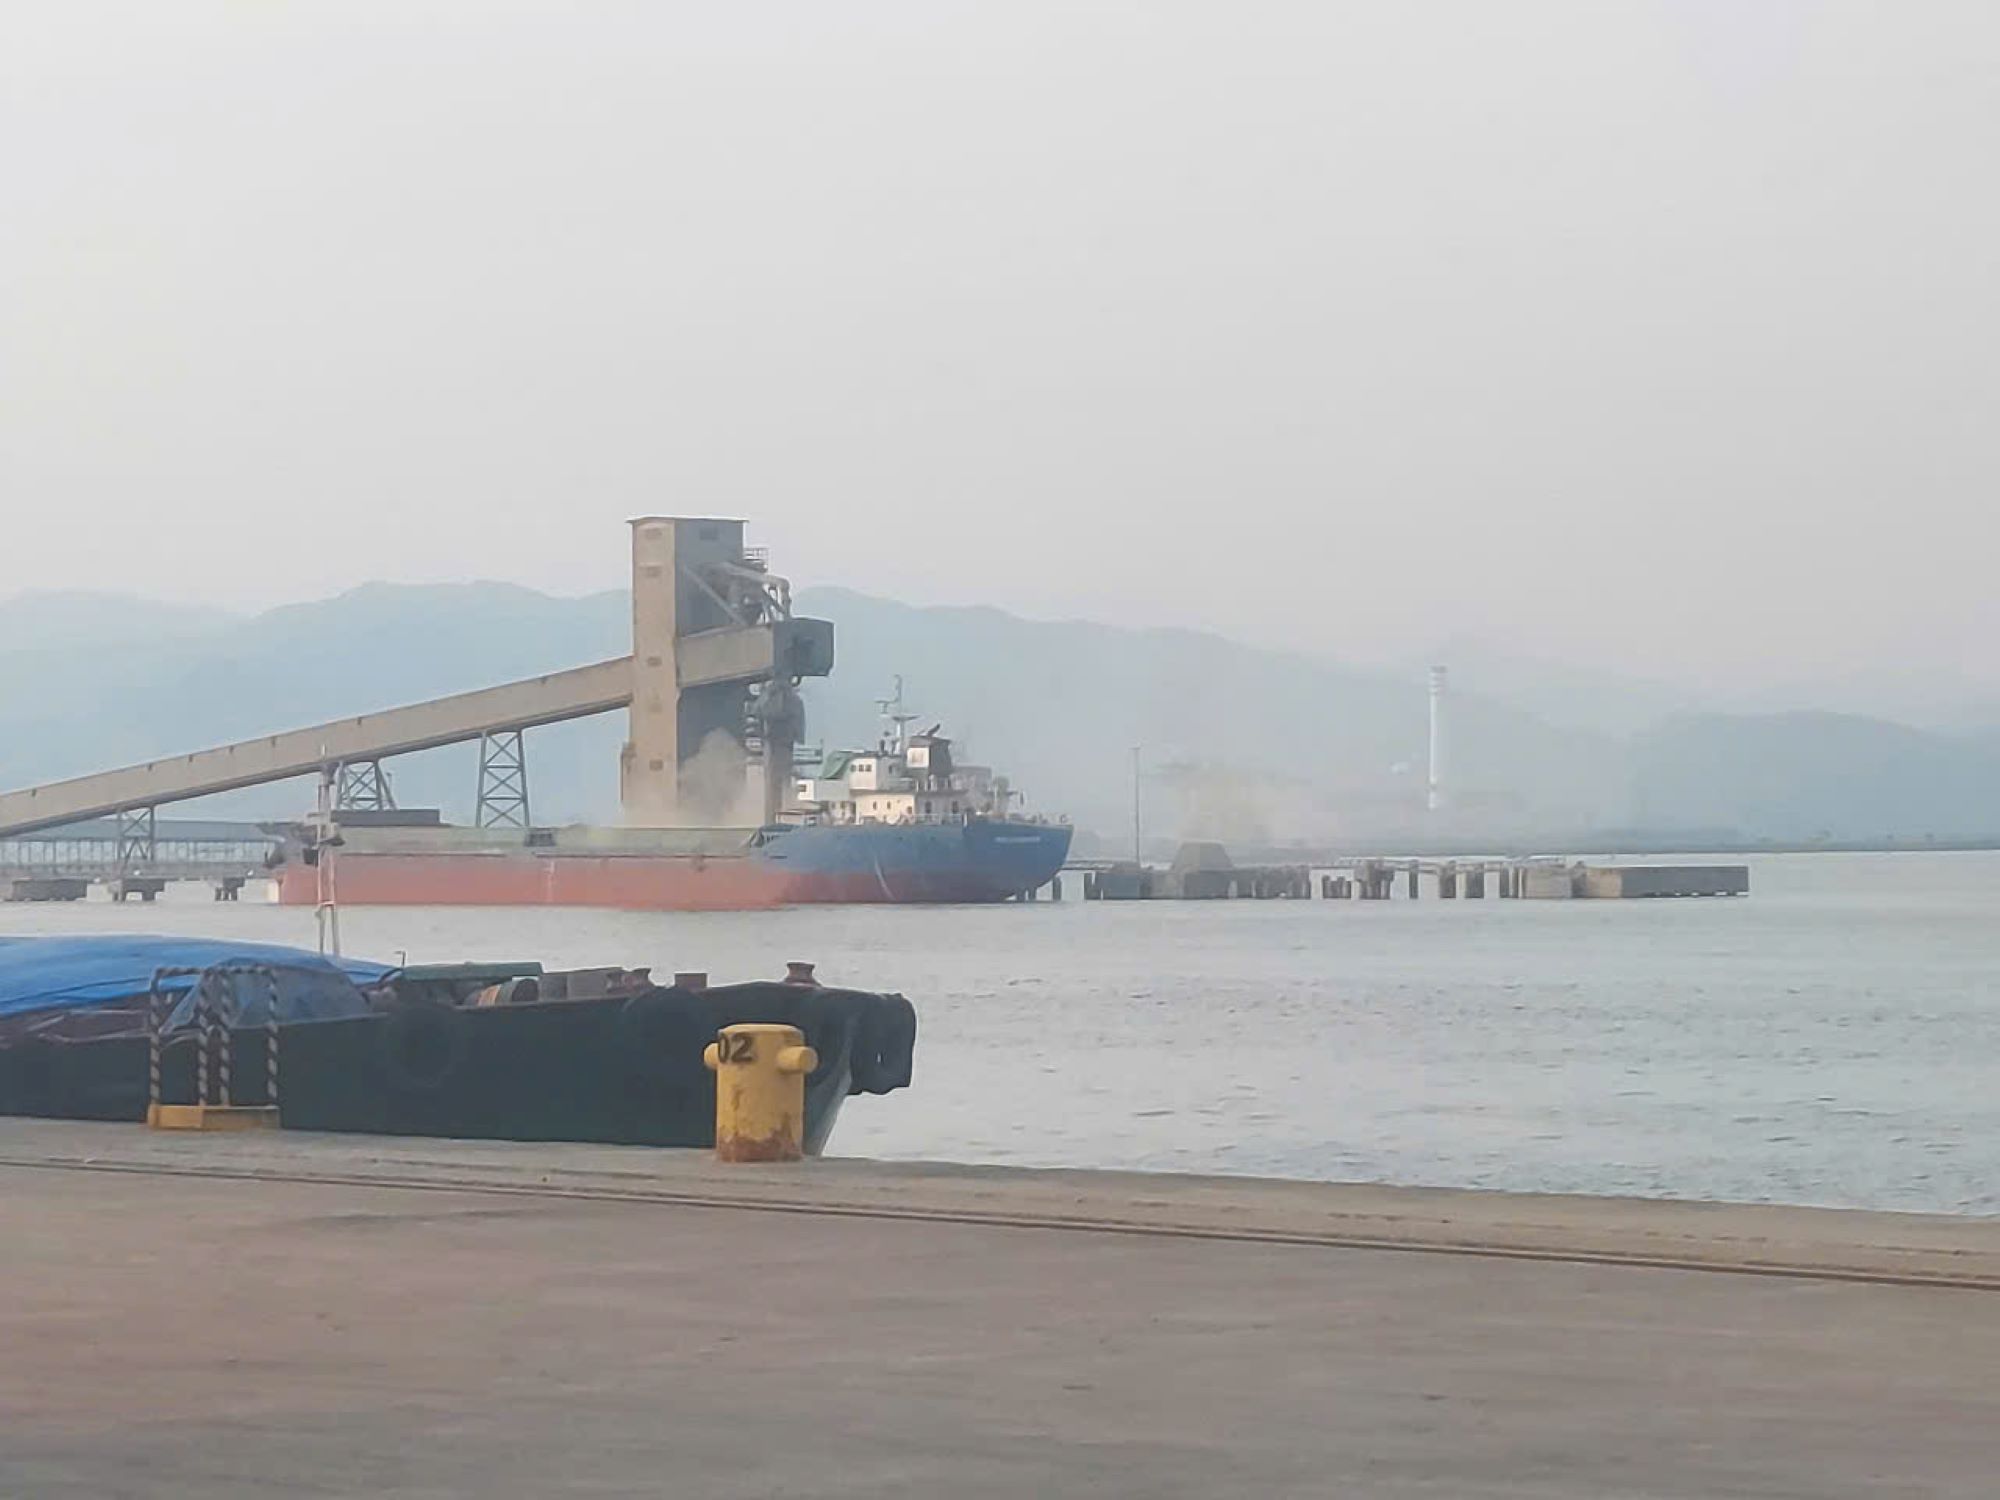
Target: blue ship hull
(984, 860)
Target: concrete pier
(1540, 878)
(1201, 871)
(44, 888)
(446, 1318)
(145, 887)
(1640, 882)
(1545, 882)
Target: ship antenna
(895, 737)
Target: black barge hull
(621, 1070)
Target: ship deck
(578, 839)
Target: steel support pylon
(503, 781)
(138, 839)
(363, 786)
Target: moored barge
(493, 1051)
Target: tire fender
(422, 1044)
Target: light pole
(1434, 797)
(1137, 858)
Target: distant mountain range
(1234, 741)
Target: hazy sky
(1652, 334)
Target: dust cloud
(717, 790)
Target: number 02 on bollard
(760, 1092)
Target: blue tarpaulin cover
(68, 973)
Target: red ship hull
(665, 883)
(627, 882)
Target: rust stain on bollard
(779, 1145)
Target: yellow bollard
(760, 1091)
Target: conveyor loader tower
(717, 658)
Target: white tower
(1435, 800)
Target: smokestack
(1435, 800)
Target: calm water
(1832, 1039)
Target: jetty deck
(347, 1315)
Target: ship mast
(896, 721)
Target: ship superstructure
(904, 779)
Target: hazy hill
(1801, 776)
(1569, 697)
(1235, 741)
(76, 617)
(1920, 694)
(69, 708)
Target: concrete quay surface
(294, 1314)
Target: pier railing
(95, 858)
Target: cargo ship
(900, 822)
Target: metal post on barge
(326, 904)
(214, 1041)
